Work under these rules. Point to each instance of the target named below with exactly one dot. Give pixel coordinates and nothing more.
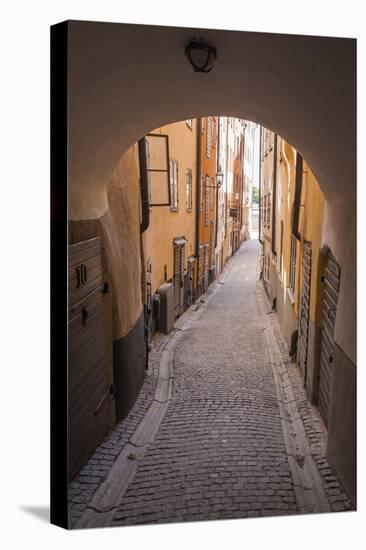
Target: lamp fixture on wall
(201, 55)
(219, 179)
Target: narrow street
(229, 432)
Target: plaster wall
(119, 229)
(341, 450)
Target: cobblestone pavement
(221, 449)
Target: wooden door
(190, 276)
(302, 346)
(89, 356)
(329, 313)
(178, 279)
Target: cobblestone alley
(222, 427)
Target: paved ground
(223, 446)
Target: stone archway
(125, 80)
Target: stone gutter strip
(308, 485)
(102, 507)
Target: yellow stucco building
(169, 241)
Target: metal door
(329, 313)
(89, 356)
(178, 279)
(302, 345)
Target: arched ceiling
(125, 80)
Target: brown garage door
(331, 290)
(89, 369)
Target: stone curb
(308, 485)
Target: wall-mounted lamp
(201, 55)
(219, 179)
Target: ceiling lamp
(201, 55)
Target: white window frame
(189, 201)
(174, 205)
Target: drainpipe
(145, 210)
(260, 185)
(198, 185)
(274, 195)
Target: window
(213, 128)
(189, 189)
(174, 184)
(189, 122)
(207, 199)
(212, 193)
(297, 197)
(292, 281)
